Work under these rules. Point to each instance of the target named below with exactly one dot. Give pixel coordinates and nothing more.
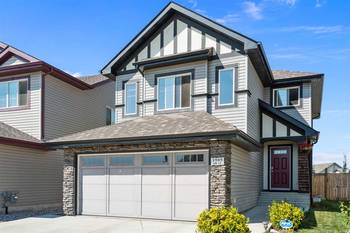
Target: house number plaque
(217, 161)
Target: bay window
(174, 92)
(13, 93)
(286, 97)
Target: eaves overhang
(203, 54)
(45, 68)
(236, 136)
(23, 143)
(308, 131)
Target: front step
(302, 200)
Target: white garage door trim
(176, 167)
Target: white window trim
(174, 77)
(286, 88)
(233, 88)
(7, 94)
(125, 99)
(112, 114)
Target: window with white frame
(174, 92)
(226, 86)
(13, 93)
(287, 96)
(130, 98)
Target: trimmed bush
(283, 210)
(222, 220)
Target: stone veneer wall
(304, 171)
(220, 175)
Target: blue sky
(80, 37)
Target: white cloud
(253, 10)
(194, 3)
(288, 56)
(289, 2)
(320, 3)
(315, 29)
(74, 74)
(228, 19)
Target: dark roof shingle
(286, 74)
(93, 79)
(157, 125)
(10, 132)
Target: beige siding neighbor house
(201, 120)
(39, 102)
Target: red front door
(280, 167)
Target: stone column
(69, 183)
(220, 175)
(304, 170)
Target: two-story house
(39, 102)
(202, 121)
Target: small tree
(8, 198)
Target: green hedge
(283, 210)
(222, 220)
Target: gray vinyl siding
(246, 177)
(236, 115)
(257, 92)
(149, 91)
(301, 113)
(27, 120)
(119, 94)
(69, 109)
(35, 174)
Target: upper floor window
(130, 98)
(13, 93)
(285, 97)
(174, 92)
(226, 86)
(109, 115)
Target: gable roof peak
(163, 15)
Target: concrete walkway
(257, 217)
(99, 224)
(92, 224)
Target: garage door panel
(161, 210)
(125, 208)
(198, 194)
(156, 175)
(93, 191)
(164, 187)
(191, 192)
(124, 192)
(94, 206)
(191, 175)
(187, 211)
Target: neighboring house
(327, 168)
(39, 102)
(202, 121)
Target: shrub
(345, 210)
(222, 220)
(283, 210)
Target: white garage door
(164, 185)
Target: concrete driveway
(91, 224)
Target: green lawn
(324, 217)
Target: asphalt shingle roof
(156, 125)
(285, 74)
(318, 168)
(93, 79)
(7, 131)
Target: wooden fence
(332, 186)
